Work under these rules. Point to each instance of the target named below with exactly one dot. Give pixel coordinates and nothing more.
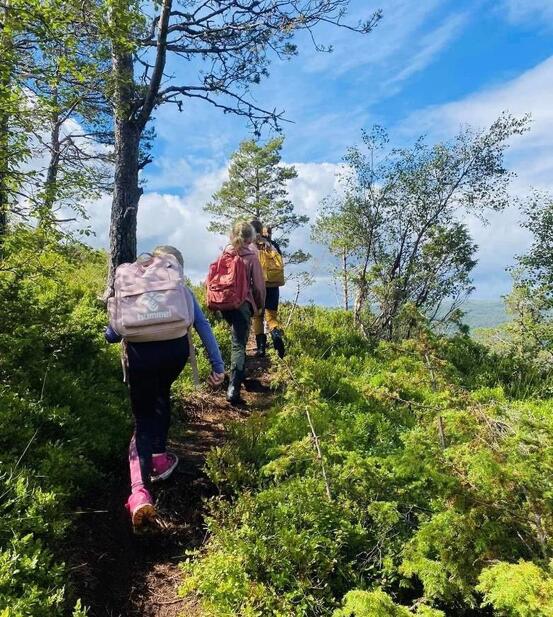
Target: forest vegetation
(404, 467)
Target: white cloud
(314, 181)
(531, 155)
(98, 212)
(401, 20)
(431, 45)
(529, 11)
(180, 221)
(167, 173)
(166, 218)
(527, 93)
(498, 242)
(405, 42)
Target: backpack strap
(125, 361)
(192, 356)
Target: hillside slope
(396, 479)
(381, 479)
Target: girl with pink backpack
(152, 311)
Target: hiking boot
(278, 342)
(140, 506)
(163, 466)
(233, 392)
(261, 340)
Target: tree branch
(157, 74)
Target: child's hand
(215, 379)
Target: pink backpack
(151, 302)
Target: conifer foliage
(257, 189)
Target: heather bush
(62, 411)
(431, 469)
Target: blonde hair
(165, 249)
(242, 233)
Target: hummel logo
(152, 300)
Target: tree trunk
(345, 279)
(5, 77)
(126, 193)
(129, 127)
(4, 194)
(360, 301)
(4, 171)
(51, 182)
(53, 165)
(362, 290)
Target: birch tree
(529, 334)
(73, 135)
(333, 229)
(401, 223)
(52, 107)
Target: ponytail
(242, 233)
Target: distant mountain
(484, 313)
(478, 313)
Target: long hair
(242, 233)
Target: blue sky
(429, 67)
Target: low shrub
(62, 411)
(427, 476)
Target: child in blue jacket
(152, 369)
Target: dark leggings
(239, 321)
(153, 367)
(272, 298)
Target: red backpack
(227, 282)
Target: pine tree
(257, 188)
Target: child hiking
(152, 312)
(236, 287)
(270, 257)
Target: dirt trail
(120, 574)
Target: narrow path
(120, 574)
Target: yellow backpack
(272, 264)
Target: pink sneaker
(140, 506)
(163, 465)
